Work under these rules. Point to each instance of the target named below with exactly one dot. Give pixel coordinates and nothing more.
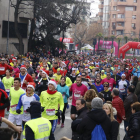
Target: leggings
(63, 113)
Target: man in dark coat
(115, 76)
(81, 112)
(130, 99)
(95, 117)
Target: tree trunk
(62, 41)
(30, 44)
(98, 43)
(21, 45)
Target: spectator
(115, 125)
(96, 116)
(89, 95)
(137, 90)
(130, 99)
(134, 122)
(118, 104)
(81, 112)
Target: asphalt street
(66, 131)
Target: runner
(64, 90)
(24, 76)
(51, 100)
(77, 91)
(24, 101)
(8, 82)
(15, 93)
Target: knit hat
(32, 85)
(23, 67)
(97, 103)
(53, 82)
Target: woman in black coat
(134, 122)
(114, 124)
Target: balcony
(26, 10)
(120, 19)
(101, 6)
(119, 27)
(126, 3)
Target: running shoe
(62, 125)
(58, 122)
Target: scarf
(51, 92)
(107, 90)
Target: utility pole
(7, 47)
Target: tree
(126, 39)
(119, 40)
(105, 38)
(54, 17)
(84, 33)
(99, 36)
(135, 39)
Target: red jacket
(63, 73)
(3, 96)
(27, 77)
(118, 104)
(3, 68)
(54, 70)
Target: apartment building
(120, 17)
(23, 25)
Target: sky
(94, 7)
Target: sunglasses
(105, 86)
(108, 74)
(83, 75)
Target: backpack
(98, 133)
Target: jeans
(122, 96)
(126, 123)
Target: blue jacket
(99, 88)
(2, 86)
(64, 91)
(137, 74)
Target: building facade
(120, 17)
(25, 13)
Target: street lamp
(7, 47)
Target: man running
(14, 95)
(77, 91)
(25, 77)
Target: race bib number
(2, 68)
(13, 107)
(26, 113)
(7, 90)
(122, 90)
(63, 96)
(76, 96)
(50, 112)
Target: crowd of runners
(36, 89)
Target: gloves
(125, 86)
(42, 109)
(59, 112)
(28, 109)
(18, 111)
(0, 121)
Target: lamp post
(7, 47)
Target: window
(133, 25)
(114, 7)
(134, 17)
(114, 16)
(135, 1)
(122, 0)
(113, 32)
(102, 2)
(119, 32)
(129, 8)
(115, 0)
(132, 33)
(120, 24)
(121, 15)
